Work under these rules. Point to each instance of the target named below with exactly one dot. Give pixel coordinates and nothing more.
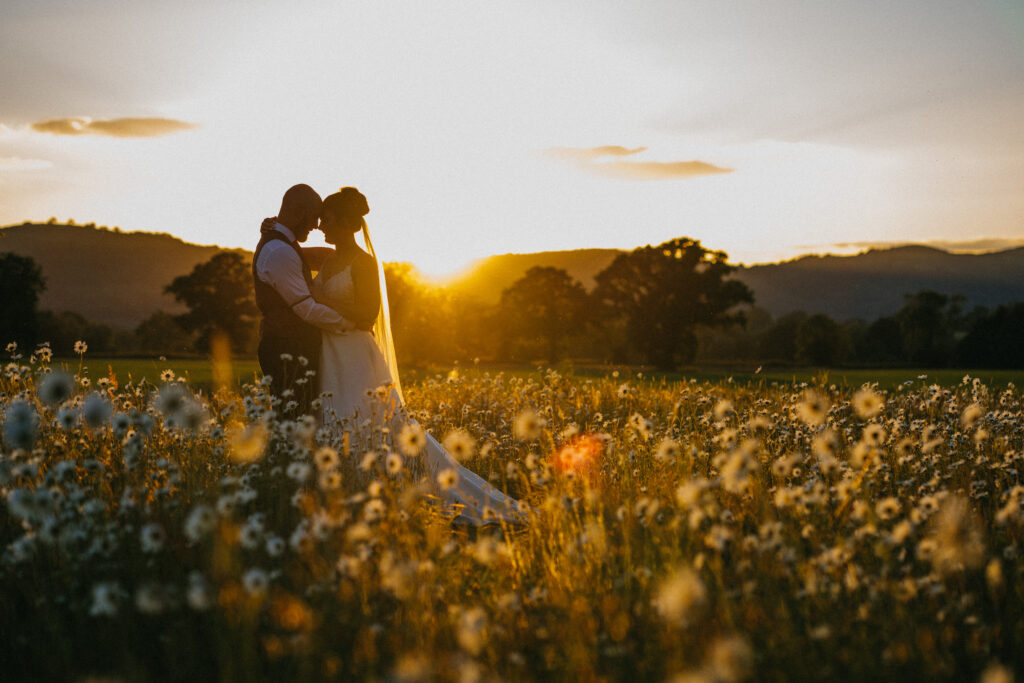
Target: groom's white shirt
(281, 268)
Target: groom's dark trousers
(282, 332)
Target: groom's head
(300, 210)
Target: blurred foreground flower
(680, 596)
(528, 425)
(411, 439)
(247, 444)
(867, 404)
(958, 539)
(460, 444)
(56, 387)
(20, 425)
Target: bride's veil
(382, 327)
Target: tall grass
(676, 530)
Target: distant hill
(107, 276)
(118, 277)
(867, 285)
(487, 278)
(872, 284)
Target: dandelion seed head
(256, 581)
(56, 387)
(680, 596)
(528, 425)
(813, 409)
(459, 444)
(412, 439)
(20, 425)
(447, 478)
(867, 404)
(471, 633)
(96, 410)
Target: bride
(358, 371)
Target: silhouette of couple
(329, 336)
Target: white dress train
(355, 376)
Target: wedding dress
(360, 394)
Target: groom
(292, 319)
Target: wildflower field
(696, 530)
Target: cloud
(577, 154)
(588, 159)
(657, 170)
(118, 128)
(19, 164)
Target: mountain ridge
(137, 265)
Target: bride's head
(343, 214)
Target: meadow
(678, 528)
(200, 372)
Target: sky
(764, 129)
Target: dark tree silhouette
(882, 342)
(21, 284)
(996, 340)
(928, 322)
(161, 333)
(63, 329)
(546, 304)
(778, 342)
(664, 292)
(219, 295)
(821, 341)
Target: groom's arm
(279, 266)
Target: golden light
(220, 357)
(578, 455)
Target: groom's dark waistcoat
(281, 330)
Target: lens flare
(578, 454)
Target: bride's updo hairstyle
(347, 207)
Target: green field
(199, 372)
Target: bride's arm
(362, 312)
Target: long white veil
(382, 327)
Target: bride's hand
(268, 224)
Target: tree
(161, 333)
(778, 342)
(733, 342)
(21, 284)
(420, 321)
(664, 292)
(63, 329)
(546, 304)
(821, 341)
(219, 295)
(995, 340)
(928, 321)
(882, 342)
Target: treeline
(931, 330)
(669, 306)
(21, 320)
